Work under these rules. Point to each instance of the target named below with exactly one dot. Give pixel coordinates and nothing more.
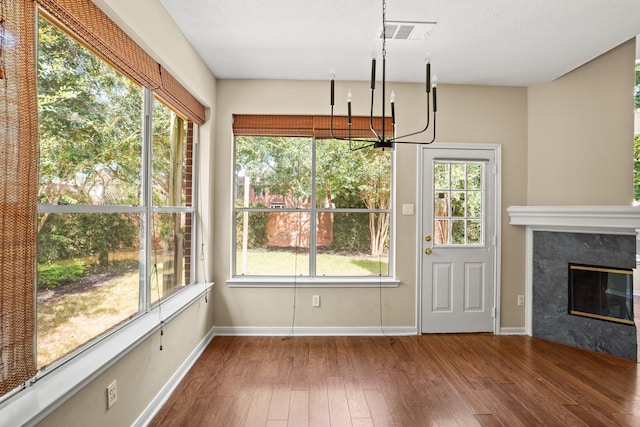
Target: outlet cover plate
(112, 394)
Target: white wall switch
(407, 209)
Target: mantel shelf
(590, 219)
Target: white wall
(581, 134)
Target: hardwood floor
(429, 380)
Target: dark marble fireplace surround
(551, 254)
(559, 235)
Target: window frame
(145, 209)
(311, 279)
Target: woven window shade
(95, 29)
(179, 98)
(18, 194)
(315, 126)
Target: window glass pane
(90, 125)
(348, 179)
(169, 247)
(352, 244)
(88, 278)
(457, 207)
(441, 176)
(441, 204)
(474, 204)
(441, 232)
(458, 204)
(458, 232)
(272, 243)
(474, 176)
(474, 232)
(273, 170)
(458, 176)
(169, 157)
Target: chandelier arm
(425, 127)
(351, 148)
(373, 130)
(339, 138)
(395, 141)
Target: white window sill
(312, 282)
(47, 391)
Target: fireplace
(600, 292)
(557, 236)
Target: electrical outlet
(520, 300)
(315, 301)
(112, 394)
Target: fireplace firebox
(600, 292)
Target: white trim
(47, 392)
(497, 205)
(584, 219)
(161, 398)
(312, 282)
(512, 331)
(315, 331)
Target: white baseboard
(513, 331)
(315, 331)
(163, 395)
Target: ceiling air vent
(405, 30)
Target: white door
(458, 242)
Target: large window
(115, 207)
(306, 206)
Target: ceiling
(486, 42)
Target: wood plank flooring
(428, 380)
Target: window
(458, 204)
(115, 206)
(308, 206)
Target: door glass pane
(458, 209)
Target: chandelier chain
(384, 28)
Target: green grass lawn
(288, 263)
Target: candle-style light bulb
(373, 73)
(349, 107)
(393, 107)
(435, 87)
(332, 75)
(427, 60)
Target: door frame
(497, 204)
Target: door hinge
(493, 312)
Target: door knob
(428, 251)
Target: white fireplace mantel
(605, 219)
(572, 219)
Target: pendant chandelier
(379, 139)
